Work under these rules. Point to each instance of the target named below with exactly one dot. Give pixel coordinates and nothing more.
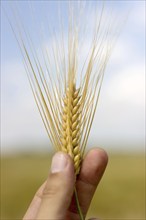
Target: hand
(55, 199)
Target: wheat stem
(78, 205)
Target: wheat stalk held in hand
(66, 78)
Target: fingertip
(61, 162)
(99, 154)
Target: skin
(55, 198)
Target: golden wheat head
(66, 79)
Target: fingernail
(59, 162)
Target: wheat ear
(70, 128)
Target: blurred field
(121, 193)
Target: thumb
(59, 188)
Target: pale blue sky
(119, 121)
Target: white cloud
(21, 122)
(128, 86)
(120, 118)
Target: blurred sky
(120, 118)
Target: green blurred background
(120, 195)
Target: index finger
(92, 169)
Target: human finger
(92, 169)
(35, 204)
(58, 190)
